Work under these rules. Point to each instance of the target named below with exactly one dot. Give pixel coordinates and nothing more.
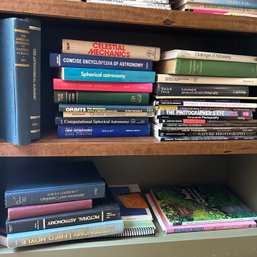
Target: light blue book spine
(67, 233)
(106, 75)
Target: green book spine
(216, 68)
(84, 97)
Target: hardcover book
(62, 234)
(104, 209)
(85, 131)
(167, 228)
(54, 181)
(207, 68)
(15, 81)
(105, 75)
(200, 55)
(110, 49)
(84, 97)
(59, 84)
(101, 62)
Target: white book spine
(199, 55)
(219, 104)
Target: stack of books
(62, 201)
(135, 212)
(103, 89)
(199, 208)
(239, 8)
(205, 96)
(155, 4)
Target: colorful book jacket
(84, 97)
(59, 84)
(167, 228)
(59, 120)
(53, 182)
(207, 68)
(200, 55)
(62, 234)
(110, 49)
(105, 75)
(235, 3)
(104, 209)
(101, 62)
(85, 131)
(165, 89)
(15, 81)
(200, 204)
(35, 55)
(135, 212)
(23, 212)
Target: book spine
(101, 121)
(62, 234)
(204, 138)
(84, 97)
(232, 3)
(107, 114)
(84, 131)
(15, 81)
(215, 68)
(54, 194)
(199, 55)
(199, 90)
(104, 108)
(219, 104)
(62, 220)
(214, 113)
(35, 52)
(59, 84)
(105, 75)
(110, 49)
(22, 212)
(101, 62)
(167, 78)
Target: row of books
(210, 111)
(68, 200)
(102, 96)
(239, 8)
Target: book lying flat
(135, 212)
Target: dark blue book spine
(101, 62)
(15, 81)
(107, 75)
(55, 194)
(103, 108)
(84, 131)
(59, 120)
(107, 212)
(35, 55)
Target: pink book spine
(201, 227)
(59, 84)
(210, 11)
(45, 209)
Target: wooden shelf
(50, 145)
(62, 9)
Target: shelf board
(62, 9)
(201, 244)
(50, 145)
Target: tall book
(35, 56)
(135, 212)
(110, 49)
(15, 81)
(54, 181)
(196, 67)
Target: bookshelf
(143, 160)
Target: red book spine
(21, 212)
(59, 84)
